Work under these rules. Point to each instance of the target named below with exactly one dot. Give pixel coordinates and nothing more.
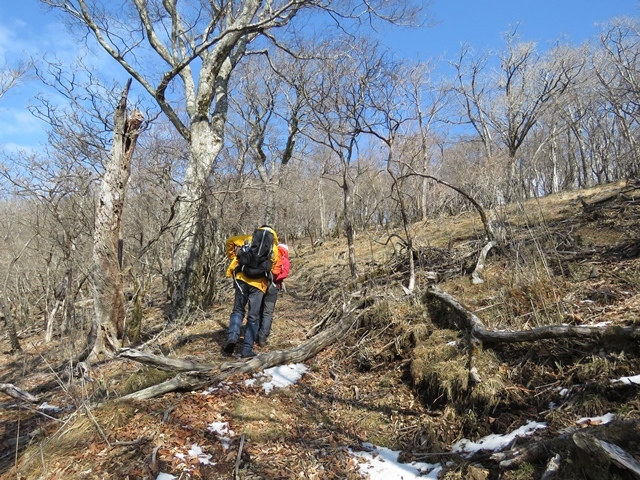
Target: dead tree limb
(617, 432)
(482, 258)
(17, 393)
(164, 363)
(204, 376)
(606, 452)
(480, 332)
(488, 228)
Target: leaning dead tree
(193, 376)
(108, 326)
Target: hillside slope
(407, 375)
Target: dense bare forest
(404, 193)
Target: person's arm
(233, 243)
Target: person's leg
(237, 315)
(266, 314)
(253, 320)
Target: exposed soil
(395, 380)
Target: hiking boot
(249, 355)
(230, 347)
(261, 341)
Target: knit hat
(282, 245)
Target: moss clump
(441, 371)
(439, 368)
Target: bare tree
(510, 102)
(617, 69)
(12, 77)
(268, 101)
(428, 100)
(474, 92)
(54, 196)
(8, 317)
(339, 99)
(199, 44)
(389, 98)
(63, 180)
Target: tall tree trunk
(322, 212)
(348, 226)
(206, 143)
(109, 307)
(6, 312)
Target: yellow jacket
(237, 241)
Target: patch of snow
(496, 442)
(196, 452)
(382, 463)
(221, 430)
(452, 343)
(628, 380)
(601, 324)
(166, 476)
(606, 418)
(281, 376)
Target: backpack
(254, 259)
(282, 268)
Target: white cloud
(20, 131)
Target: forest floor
(400, 378)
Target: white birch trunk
(51, 317)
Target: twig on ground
(238, 458)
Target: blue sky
(481, 23)
(26, 28)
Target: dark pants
(245, 294)
(266, 312)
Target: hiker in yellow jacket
(249, 288)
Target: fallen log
(202, 376)
(17, 393)
(165, 363)
(480, 332)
